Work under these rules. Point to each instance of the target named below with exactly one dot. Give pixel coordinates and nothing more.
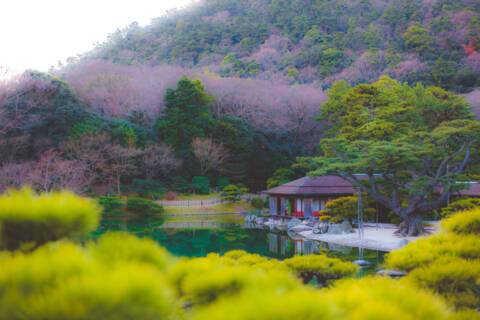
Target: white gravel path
(381, 238)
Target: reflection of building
(282, 245)
(305, 197)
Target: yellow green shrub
(447, 263)
(425, 251)
(240, 257)
(381, 298)
(462, 204)
(370, 298)
(121, 247)
(127, 292)
(27, 218)
(204, 280)
(465, 222)
(458, 280)
(46, 268)
(466, 314)
(65, 281)
(346, 207)
(233, 281)
(321, 267)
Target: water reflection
(195, 238)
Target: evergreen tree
(186, 115)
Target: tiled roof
(333, 185)
(323, 185)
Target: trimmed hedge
(321, 267)
(143, 207)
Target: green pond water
(198, 236)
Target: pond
(197, 236)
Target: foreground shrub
(66, 281)
(127, 292)
(118, 248)
(458, 280)
(204, 281)
(466, 314)
(460, 205)
(425, 251)
(27, 218)
(467, 222)
(320, 267)
(143, 207)
(447, 263)
(370, 298)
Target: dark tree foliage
(186, 115)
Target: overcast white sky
(36, 34)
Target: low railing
(200, 203)
(191, 203)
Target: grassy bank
(220, 208)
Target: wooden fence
(200, 203)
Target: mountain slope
(313, 41)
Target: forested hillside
(222, 92)
(313, 41)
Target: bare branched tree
(210, 155)
(158, 160)
(52, 172)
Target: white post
(360, 214)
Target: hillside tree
(186, 115)
(411, 145)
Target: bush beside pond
(116, 206)
(320, 267)
(143, 207)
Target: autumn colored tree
(159, 160)
(411, 145)
(210, 155)
(122, 162)
(53, 173)
(95, 151)
(15, 175)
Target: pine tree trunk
(412, 226)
